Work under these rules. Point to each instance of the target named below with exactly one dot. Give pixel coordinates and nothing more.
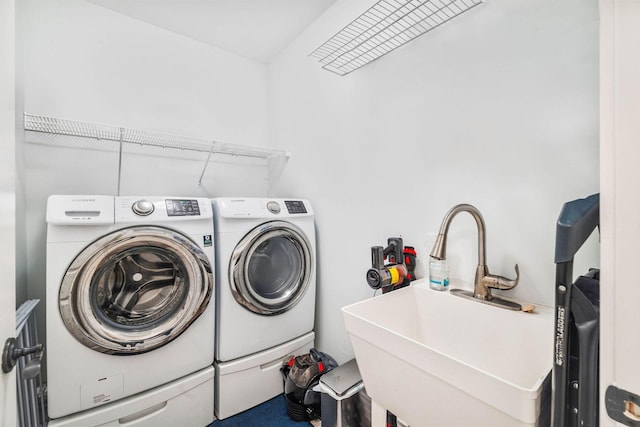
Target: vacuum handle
(576, 222)
(395, 249)
(560, 371)
(377, 257)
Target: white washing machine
(129, 305)
(265, 295)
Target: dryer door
(271, 268)
(135, 290)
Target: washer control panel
(182, 207)
(295, 206)
(142, 207)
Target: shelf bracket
(206, 163)
(121, 141)
(276, 164)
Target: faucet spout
(439, 250)
(483, 282)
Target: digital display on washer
(182, 207)
(295, 206)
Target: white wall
(21, 225)
(498, 108)
(7, 202)
(88, 63)
(620, 91)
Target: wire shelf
(385, 26)
(49, 126)
(55, 126)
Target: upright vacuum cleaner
(576, 350)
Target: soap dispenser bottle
(438, 274)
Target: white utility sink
(435, 359)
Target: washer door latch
(11, 354)
(623, 406)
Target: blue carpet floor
(272, 413)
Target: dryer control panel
(254, 207)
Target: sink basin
(434, 359)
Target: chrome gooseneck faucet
(484, 281)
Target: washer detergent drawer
(249, 381)
(184, 402)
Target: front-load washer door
(271, 268)
(135, 290)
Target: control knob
(142, 207)
(273, 207)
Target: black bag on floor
(301, 374)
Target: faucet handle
(500, 282)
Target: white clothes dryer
(129, 297)
(265, 295)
